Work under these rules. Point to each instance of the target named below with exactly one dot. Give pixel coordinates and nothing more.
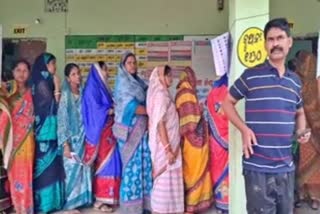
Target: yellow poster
(250, 49)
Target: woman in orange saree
(21, 154)
(195, 145)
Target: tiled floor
(304, 210)
(92, 211)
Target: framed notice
(56, 6)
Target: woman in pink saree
(167, 195)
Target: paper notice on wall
(220, 51)
(202, 64)
(0, 53)
(318, 60)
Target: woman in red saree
(218, 127)
(21, 154)
(5, 138)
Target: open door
(24, 48)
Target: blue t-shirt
(271, 103)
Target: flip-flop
(315, 205)
(298, 204)
(103, 208)
(71, 212)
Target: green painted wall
(139, 17)
(304, 14)
(112, 17)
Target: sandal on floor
(315, 205)
(102, 207)
(298, 204)
(71, 212)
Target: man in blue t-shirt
(273, 114)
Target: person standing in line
(167, 195)
(195, 145)
(49, 173)
(71, 139)
(101, 146)
(130, 129)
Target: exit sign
(19, 30)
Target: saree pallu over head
(71, 119)
(158, 101)
(219, 129)
(130, 92)
(189, 109)
(42, 90)
(130, 131)
(194, 132)
(167, 194)
(78, 182)
(49, 172)
(96, 103)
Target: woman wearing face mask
(71, 138)
(130, 129)
(101, 148)
(167, 194)
(19, 150)
(49, 172)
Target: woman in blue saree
(130, 129)
(48, 172)
(101, 147)
(71, 139)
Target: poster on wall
(202, 64)
(221, 53)
(250, 48)
(151, 51)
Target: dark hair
(101, 64)
(280, 23)
(21, 61)
(125, 58)
(167, 69)
(68, 68)
(292, 64)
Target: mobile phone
(303, 133)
